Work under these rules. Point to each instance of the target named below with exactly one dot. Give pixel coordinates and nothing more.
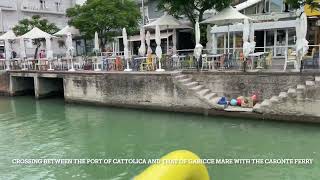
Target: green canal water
(51, 129)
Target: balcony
(8, 5)
(48, 8)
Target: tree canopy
(105, 17)
(26, 25)
(192, 9)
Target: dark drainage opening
(50, 88)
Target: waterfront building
(12, 11)
(274, 27)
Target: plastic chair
(79, 63)
(309, 60)
(148, 64)
(268, 59)
(205, 62)
(289, 58)
(118, 64)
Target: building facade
(12, 11)
(275, 23)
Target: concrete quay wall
(152, 90)
(265, 85)
(137, 90)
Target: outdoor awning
(152, 37)
(36, 33)
(66, 30)
(246, 4)
(228, 15)
(8, 36)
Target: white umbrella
(214, 43)
(8, 35)
(252, 42)
(49, 53)
(302, 45)
(199, 47)
(209, 38)
(174, 41)
(70, 50)
(126, 48)
(245, 38)
(149, 51)
(227, 16)
(22, 49)
(158, 49)
(167, 22)
(23, 53)
(36, 33)
(68, 29)
(7, 53)
(96, 49)
(96, 42)
(142, 49)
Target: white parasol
(142, 49)
(149, 51)
(245, 37)
(96, 43)
(126, 48)
(68, 29)
(227, 16)
(158, 49)
(199, 47)
(8, 52)
(70, 50)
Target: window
(291, 36)
(58, 6)
(270, 38)
(276, 5)
(251, 10)
(42, 4)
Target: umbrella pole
(128, 68)
(167, 40)
(228, 40)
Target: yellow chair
(311, 56)
(148, 64)
(269, 58)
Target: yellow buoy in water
(177, 165)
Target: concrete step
(301, 87)
(197, 88)
(179, 77)
(265, 104)
(317, 80)
(185, 80)
(283, 95)
(292, 92)
(274, 99)
(191, 84)
(214, 103)
(310, 83)
(257, 108)
(210, 96)
(203, 92)
(301, 90)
